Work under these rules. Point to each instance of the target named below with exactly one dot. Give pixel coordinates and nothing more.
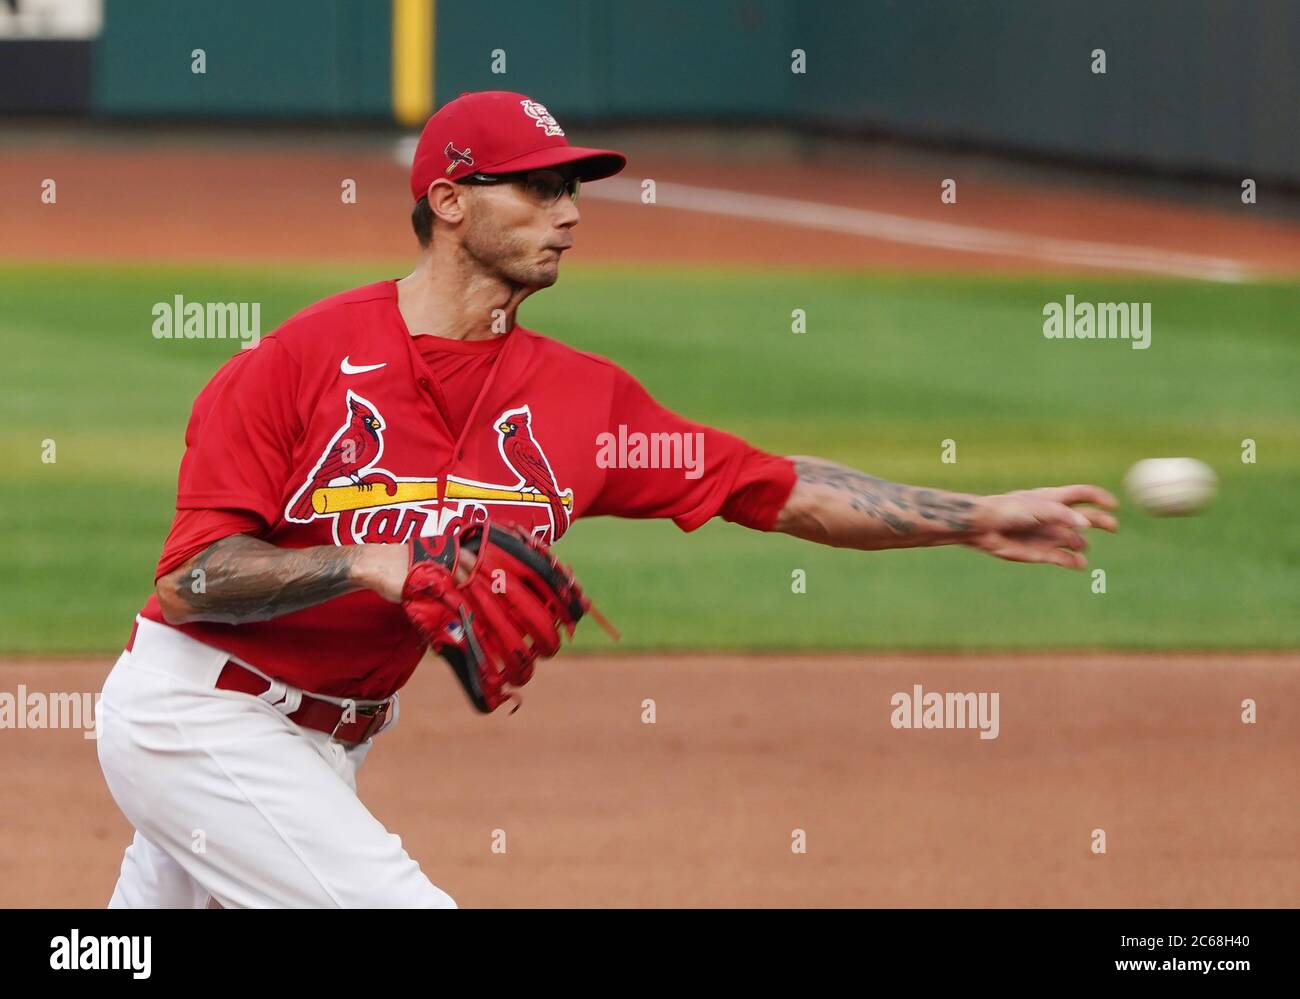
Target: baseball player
(355, 487)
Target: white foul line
(922, 232)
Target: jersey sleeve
(660, 464)
(194, 530)
(241, 436)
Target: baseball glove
(495, 621)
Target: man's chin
(545, 276)
(532, 278)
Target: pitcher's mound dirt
(702, 806)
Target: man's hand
(1041, 525)
(383, 568)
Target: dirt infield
(699, 808)
(173, 201)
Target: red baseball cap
(496, 131)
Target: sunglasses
(545, 187)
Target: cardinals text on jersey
(370, 504)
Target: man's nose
(569, 216)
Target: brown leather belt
(351, 723)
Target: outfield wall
(1190, 85)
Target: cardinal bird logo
(355, 447)
(457, 157)
(527, 461)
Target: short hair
(422, 222)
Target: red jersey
(342, 428)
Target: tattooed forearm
(897, 505)
(837, 505)
(241, 579)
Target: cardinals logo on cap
(543, 118)
(457, 157)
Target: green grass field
(889, 367)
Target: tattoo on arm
(239, 579)
(901, 508)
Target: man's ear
(446, 200)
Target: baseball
(1170, 487)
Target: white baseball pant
(234, 805)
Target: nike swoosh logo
(348, 368)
